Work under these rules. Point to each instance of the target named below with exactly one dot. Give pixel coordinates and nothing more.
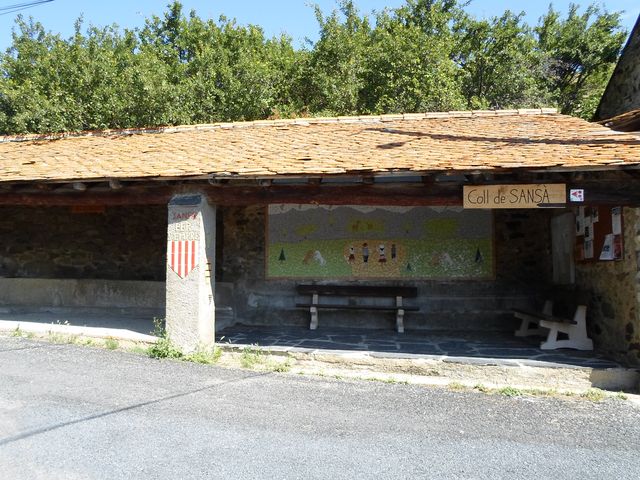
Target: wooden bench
(550, 324)
(353, 294)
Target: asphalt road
(70, 412)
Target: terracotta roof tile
(412, 143)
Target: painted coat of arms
(182, 256)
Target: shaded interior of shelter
(110, 263)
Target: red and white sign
(182, 256)
(576, 195)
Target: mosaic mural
(322, 241)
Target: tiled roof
(461, 141)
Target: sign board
(576, 195)
(514, 196)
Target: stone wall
(523, 270)
(614, 313)
(523, 247)
(623, 91)
(123, 243)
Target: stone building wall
(614, 313)
(623, 91)
(523, 247)
(123, 243)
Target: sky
(293, 17)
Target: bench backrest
(358, 291)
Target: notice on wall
(514, 196)
(580, 221)
(616, 221)
(588, 249)
(324, 241)
(607, 248)
(588, 228)
(599, 233)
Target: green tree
(337, 62)
(411, 67)
(422, 56)
(500, 66)
(580, 54)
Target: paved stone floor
(468, 346)
(494, 345)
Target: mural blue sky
(294, 17)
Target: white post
(191, 247)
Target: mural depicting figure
(382, 257)
(352, 254)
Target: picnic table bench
(548, 323)
(354, 297)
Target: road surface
(72, 412)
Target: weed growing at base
(163, 348)
(111, 343)
(281, 367)
(251, 356)
(510, 392)
(205, 356)
(594, 394)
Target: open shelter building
(214, 226)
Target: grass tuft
(204, 356)
(482, 388)
(510, 392)
(163, 348)
(251, 356)
(621, 396)
(594, 395)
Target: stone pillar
(190, 266)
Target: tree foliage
(423, 56)
(580, 54)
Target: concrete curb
(439, 370)
(435, 370)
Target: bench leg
(529, 326)
(577, 333)
(314, 312)
(399, 315)
(400, 320)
